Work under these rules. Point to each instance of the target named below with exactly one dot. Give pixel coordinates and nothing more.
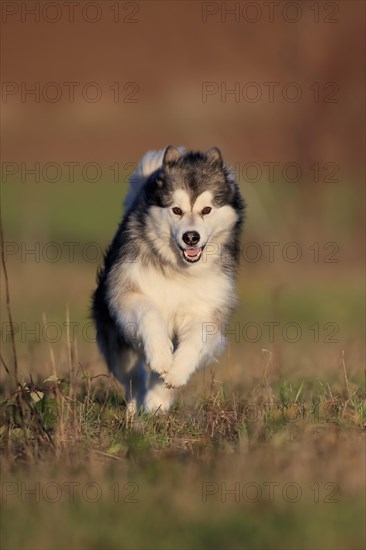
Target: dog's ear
(213, 156)
(171, 156)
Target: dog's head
(194, 201)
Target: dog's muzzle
(192, 253)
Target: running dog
(167, 285)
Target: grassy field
(264, 450)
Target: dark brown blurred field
(279, 88)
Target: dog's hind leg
(158, 397)
(128, 367)
(135, 387)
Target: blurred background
(278, 87)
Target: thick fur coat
(168, 281)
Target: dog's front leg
(195, 349)
(143, 324)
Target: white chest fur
(196, 293)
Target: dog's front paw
(160, 358)
(175, 378)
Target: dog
(167, 285)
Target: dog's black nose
(191, 237)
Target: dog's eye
(206, 210)
(177, 211)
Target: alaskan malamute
(167, 285)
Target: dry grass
(198, 478)
(42, 420)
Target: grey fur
(193, 172)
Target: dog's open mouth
(192, 255)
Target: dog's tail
(151, 161)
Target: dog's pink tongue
(192, 252)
